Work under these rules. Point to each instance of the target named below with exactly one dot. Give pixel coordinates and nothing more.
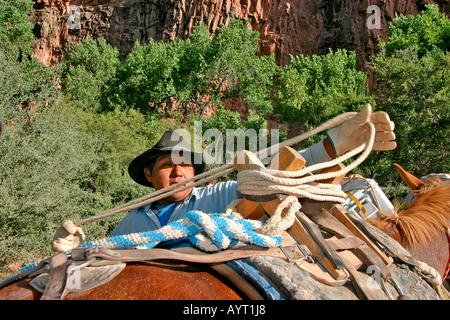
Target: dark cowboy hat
(170, 141)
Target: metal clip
(394, 283)
(385, 289)
(74, 267)
(306, 256)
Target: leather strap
(164, 254)
(56, 285)
(45, 265)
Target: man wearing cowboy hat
(171, 160)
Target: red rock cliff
(286, 27)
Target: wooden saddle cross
(303, 230)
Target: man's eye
(168, 164)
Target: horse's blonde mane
(419, 223)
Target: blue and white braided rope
(208, 232)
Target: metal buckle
(306, 256)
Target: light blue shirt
(165, 212)
(209, 199)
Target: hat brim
(148, 158)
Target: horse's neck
(434, 253)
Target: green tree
(197, 72)
(314, 89)
(413, 71)
(87, 71)
(15, 29)
(23, 80)
(226, 67)
(144, 79)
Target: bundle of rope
(303, 183)
(208, 232)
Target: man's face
(169, 170)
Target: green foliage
(413, 77)
(87, 70)
(42, 169)
(234, 62)
(24, 82)
(428, 33)
(15, 29)
(314, 89)
(145, 77)
(223, 119)
(68, 164)
(196, 72)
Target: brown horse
(423, 227)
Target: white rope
(302, 183)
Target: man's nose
(177, 170)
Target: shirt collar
(185, 201)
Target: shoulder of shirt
(140, 210)
(196, 192)
(214, 188)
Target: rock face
(286, 27)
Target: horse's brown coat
(146, 281)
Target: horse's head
(419, 188)
(422, 226)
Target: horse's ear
(411, 181)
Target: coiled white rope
(302, 183)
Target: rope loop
(304, 183)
